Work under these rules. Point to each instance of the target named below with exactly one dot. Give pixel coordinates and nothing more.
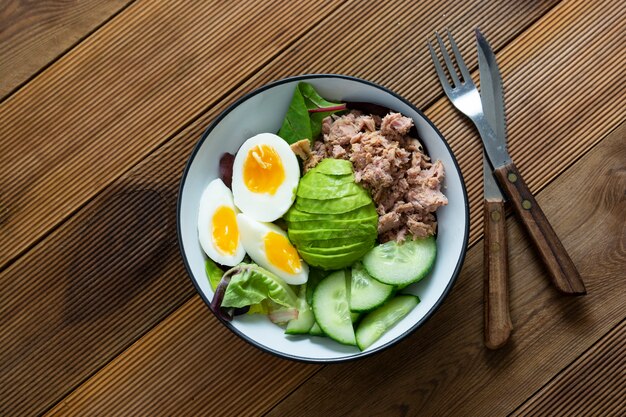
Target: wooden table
(101, 103)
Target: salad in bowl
(322, 218)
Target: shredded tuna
(395, 124)
(404, 184)
(388, 222)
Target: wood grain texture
(440, 369)
(123, 91)
(560, 267)
(205, 383)
(111, 298)
(557, 102)
(35, 33)
(57, 355)
(107, 277)
(496, 312)
(594, 385)
(443, 368)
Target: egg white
(265, 207)
(215, 195)
(252, 237)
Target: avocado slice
(333, 206)
(311, 245)
(326, 180)
(320, 192)
(295, 215)
(363, 247)
(331, 261)
(321, 234)
(334, 166)
(332, 224)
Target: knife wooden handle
(562, 270)
(497, 318)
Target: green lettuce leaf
(253, 284)
(213, 272)
(299, 123)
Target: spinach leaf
(299, 123)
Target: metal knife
(563, 272)
(497, 317)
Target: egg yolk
(281, 253)
(263, 170)
(225, 230)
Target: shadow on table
(118, 250)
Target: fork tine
(442, 75)
(446, 58)
(459, 59)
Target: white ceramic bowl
(262, 111)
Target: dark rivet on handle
(526, 204)
(512, 177)
(495, 215)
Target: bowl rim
(227, 324)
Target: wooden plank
(594, 385)
(83, 310)
(438, 370)
(443, 369)
(119, 297)
(206, 383)
(126, 376)
(553, 116)
(33, 34)
(85, 120)
(108, 276)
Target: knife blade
(497, 317)
(563, 272)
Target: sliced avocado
(320, 234)
(333, 206)
(324, 243)
(364, 247)
(317, 178)
(326, 193)
(331, 261)
(334, 166)
(294, 215)
(332, 224)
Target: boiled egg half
(218, 230)
(269, 246)
(265, 177)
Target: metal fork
(463, 93)
(465, 96)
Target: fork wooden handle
(497, 318)
(563, 272)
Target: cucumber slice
(401, 264)
(377, 322)
(305, 319)
(354, 316)
(316, 330)
(315, 276)
(366, 293)
(331, 310)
